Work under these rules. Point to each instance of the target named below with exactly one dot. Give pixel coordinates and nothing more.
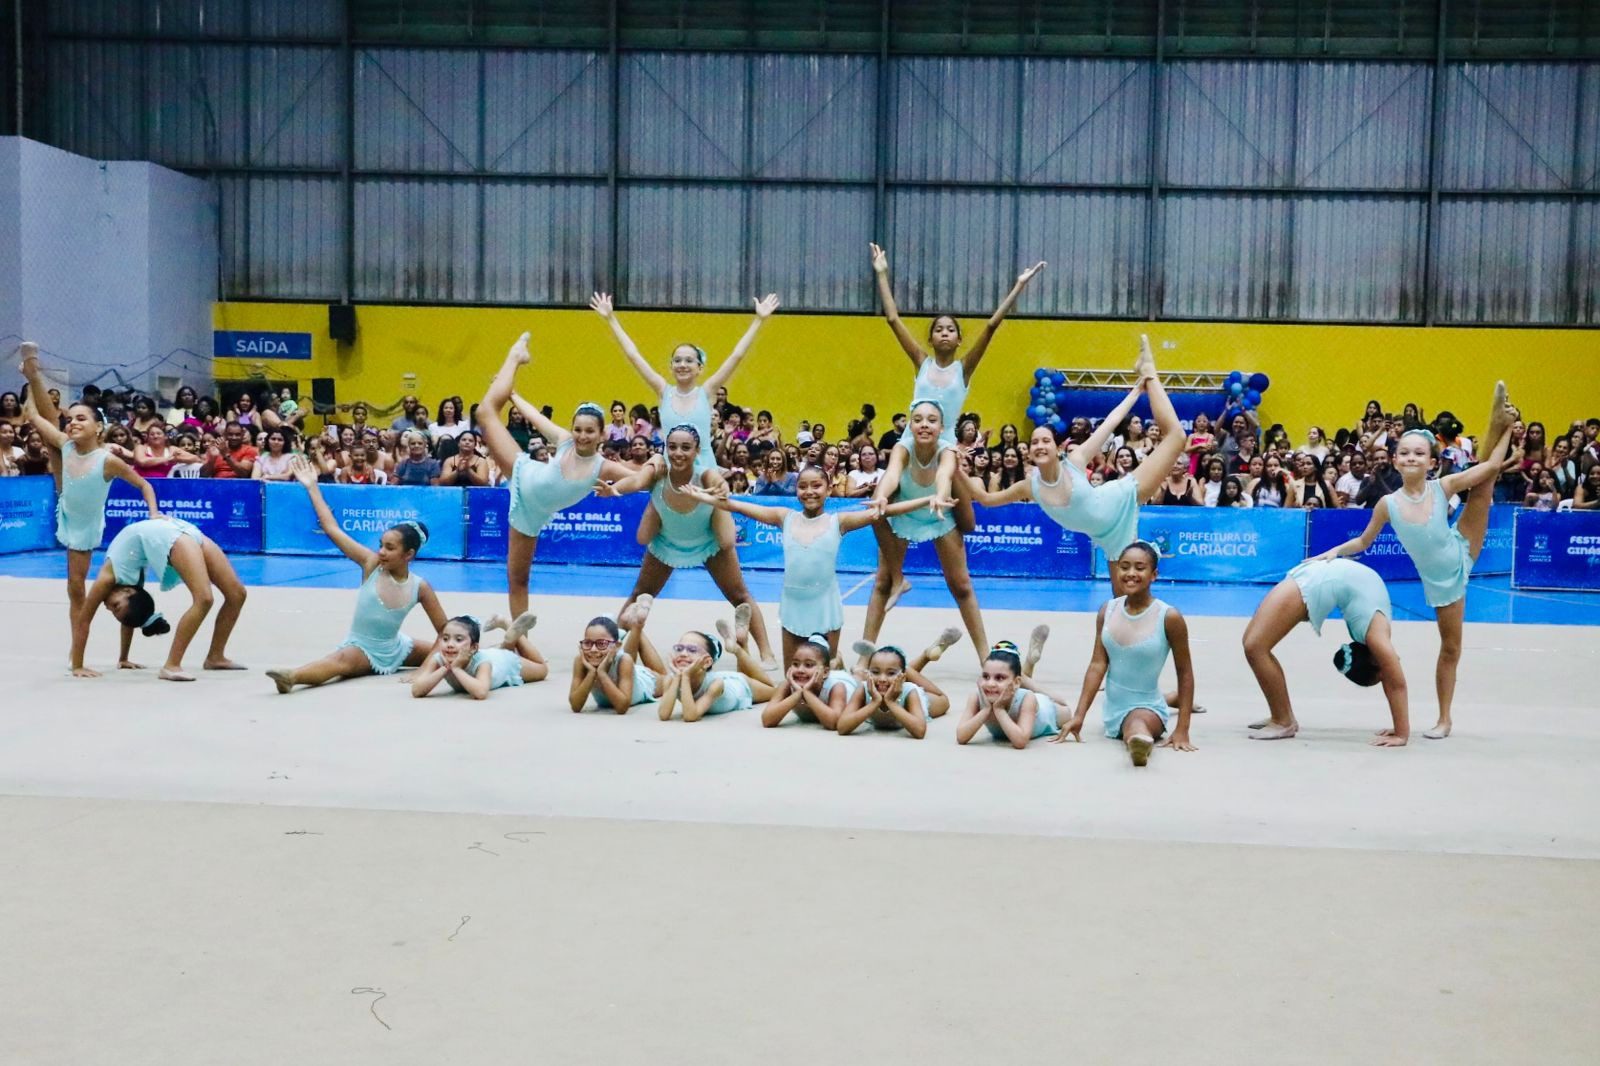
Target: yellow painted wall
(824, 367)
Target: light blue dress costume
(1107, 514)
(698, 416)
(1356, 590)
(540, 490)
(1134, 678)
(375, 629)
(81, 507)
(145, 545)
(948, 386)
(920, 525)
(685, 539)
(1045, 720)
(810, 601)
(1438, 549)
(889, 723)
(836, 678)
(644, 686)
(736, 694)
(505, 666)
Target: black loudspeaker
(322, 398)
(342, 322)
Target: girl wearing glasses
(619, 670)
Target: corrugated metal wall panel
(96, 103)
(95, 16)
(817, 116)
(1586, 263)
(682, 246)
(802, 248)
(953, 119)
(281, 235)
(1503, 261)
(1364, 125)
(1588, 157)
(416, 109)
(544, 243)
(1225, 257)
(216, 17)
(1085, 120)
(1095, 244)
(416, 240)
(1509, 126)
(951, 251)
(683, 114)
(1358, 260)
(547, 112)
(196, 95)
(1228, 123)
(296, 107)
(302, 18)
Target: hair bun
(155, 626)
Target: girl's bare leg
(885, 583)
(534, 668)
(187, 558)
(1444, 674)
(233, 597)
(966, 518)
(1158, 464)
(77, 582)
(653, 575)
(722, 525)
(650, 525)
(636, 643)
(724, 570)
(938, 702)
(1036, 639)
(886, 540)
(953, 560)
(1279, 612)
(1140, 730)
(520, 549)
(345, 662)
(751, 669)
(935, 651)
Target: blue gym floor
(1491, 599)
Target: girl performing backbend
(388, 592)
(465, 667)
(1108, 514)
(1009, 711)
(686, 401)
(686, 537)
(85, 471)
(178, 552)
(922, 468)
(1311, 592)
(1133, 635)
(810, 601)
(539, 491)
(1419, 511)
(896, 694)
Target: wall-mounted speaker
(342, 322)
(322, 395)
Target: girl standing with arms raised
(539, 491)
(685, 536)
(389, 590)
(686, 401)
(1420, 513)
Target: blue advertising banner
(1095, 404)
(1017, 541)
(364, 512)
(227, 511)
(1389, 559)
(1214, 544)
(595, 530)
(252, 344)
(27, 514)
(1557, 550)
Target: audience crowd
(1231, 461)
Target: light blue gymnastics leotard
(644, 686)
(375, 629)
(1133, 680)
(505, 666)
(947, 385)
(886, 721)
(540, 490)
(736, 694)
(840, 677)
(920, 525)
(1441, 554)
(1107, 514)
(145, 545)
(810, 601)
(1045, 719)
(1356, 590)
(685, 539)
(81, 507)
(698, 416)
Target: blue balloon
(1058, 379)
(1057, 424)
(1260, 382)
(1252, 397)
(1235, 376)
(1235, 388)
(1041, 375)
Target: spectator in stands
(236, 458)
(322, 457)
(1382, 479)
(1240, 429)
(1216, 475)
(206, 417)
(1233, 494)
(618, 430)
(244, 411)
(867, 474)
(154, 456)
(1545, 496)
(1455, 450)
(183, 406)
(1011, 469)
(1349, 484)
(1273, 488)
(34, 460)
(1244, 455)
(1179, 490)
(467, 468)
(764, 437)
(1411, 418)
(521, 431)
(1122, 464)
(11, 410)
(1534, 444)
(897, 426)
(1308, 487)
(776, 478)
(274, 463)
(9, 452)
(144, 417)
(1316, 444)
(1201, 442)
(406, 420)
(449, 425)
(639, 453)
(362, 469)
(1587, 498)
(1562, 468)
(418, 467)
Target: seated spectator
(1011, 469)
(183, 405)
(1244, 456)
(1272, 488)
(144, 417)
(1562, 468)
(1587, 498)
(9, 452)
(1316, 444)
(1216, 475)
(865, 478)
(324, 459)
(206, 417)
(449, 425)
(639, 453)
(1349, 484)
(244, 411)
(1382, 479)
(418, 467)
(275, 463)
(235, 458)
(1545, 495)
(11, 410)
(981, 465)
(1179, 490)
(154, 456)
(362, 470)
(1308, 487)
(34, 460)
(897, 428)
(765, 436)
(408, 407)
(468, 467)
(1233, 494)
(1122, 463)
